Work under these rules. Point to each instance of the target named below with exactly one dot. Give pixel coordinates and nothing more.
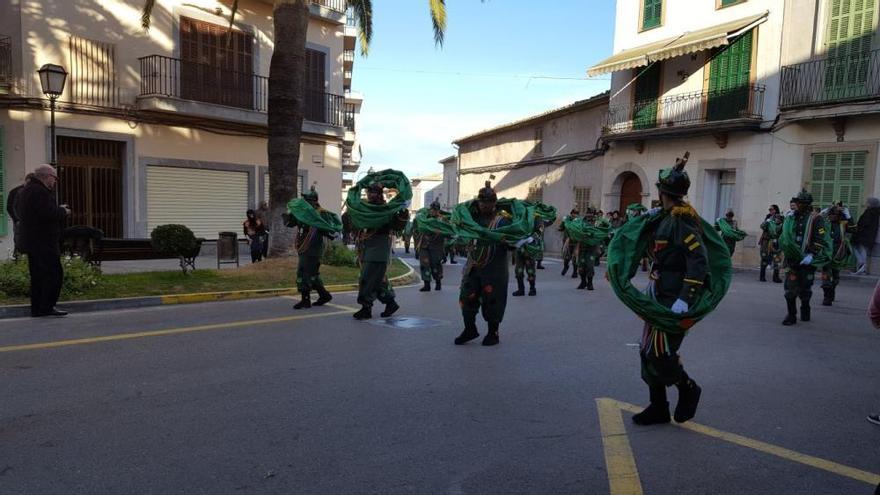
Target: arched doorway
(630, 190)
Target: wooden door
(630, 191)
(90, 181)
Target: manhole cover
(408, 322)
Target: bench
(89, 244)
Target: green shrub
(338, 254)
(173, 239)
(79, 277)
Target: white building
(425, 190)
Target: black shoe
(491, 338)
(323, 299)
(518, 292)
(467, 335)
(426, 287)
(789, 320)
(437, 285)
(826, 302)
(805, 312)
(688, 398)
(583, 284)
(540, 266)
(304, 304)
(776, 278)
(532, 291)
(590, 284)
(365, 313)
(574, 274)
(51, 312)
(390, 309)
(763, 277)
(564, 270)
(655, 413)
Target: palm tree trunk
(285, 114)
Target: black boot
(305, 302)
(776, 278)
(564, 268)
(390, 309)
(437, 285)
(763, 277)
(688, 398)
(365, 313)
(470, 330)
(532, 290)
(590, 283)
(323, 297)
(791, 317)
(829, 296)
(657, 411)
(520, 288)
(426, 287)
(574, 272)
(540, 266)
(805, 310)
(583, 284)
(491, 337)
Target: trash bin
(227, 248)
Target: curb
(24, 310)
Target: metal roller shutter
(206, 201)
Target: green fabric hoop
(306, 214)
(729, 231)
(368, 216)
(586, 233)
(426, 224)
(794, 252)
(521, 222)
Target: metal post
(52, 157)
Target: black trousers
(47, 276)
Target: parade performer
(806, 244)
(408, 236)
(635, 210)
(493, 226)
(525, 258)
(839, 223)
(588, 237)
(771, 254)
(568, 246)
(374, 220)
(432, 228)
(314, 223)
(690, 274)
(729, 231)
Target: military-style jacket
(487, 254)
(309, 240)
(375, 244)
(431, 241)
(810, 225)
(680, 259)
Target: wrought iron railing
(349, 116)
(5, 61)
(172, 77)
(831, 80)
(744, 102)
(336, 5)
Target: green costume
(407, 236)
(314, 224)
(729, 232)
(771, 254)
(588, 235)
(569, 247)
(431, 228)
(842, 254)
(806, 243)
(527, 258)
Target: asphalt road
(252, 397)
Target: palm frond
(362, 10)
(232, 11)
(147, 14)
(438, 18)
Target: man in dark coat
(866, 233)
(41, 224)
(10, 210)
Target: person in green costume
(486, 273)
(805, 244)
(587, 255)
(771, 255)
(407, 236)
(374, 249)
(525, 261)
(730, 232)
(568, 246)
(678, 273)
(839, 223)
(430, 247)
(310, 247)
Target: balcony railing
(686, 109)
(831, 80)
(171, 77)
(348, 56)
(349, 116)
(5, 61)
(336, 5)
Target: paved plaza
(252, 397)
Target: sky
(418, 98)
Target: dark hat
(804, 197)
(487, 193)
(675, 181)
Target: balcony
(717, 110)
(330, 10)
(5, 63)
(173, 85)
(334, 5)
(831, 81)
(349, 117)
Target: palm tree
(285, 94)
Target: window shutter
(848, 45)
(839, 177)
(3, 220)
(646, 92)
(652, 13)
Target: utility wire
(478, 74)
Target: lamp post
(52, 78)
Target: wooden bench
(96, 250)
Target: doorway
(630, 190)
(90, 182)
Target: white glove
(808, 259)
(679, 307)
(655, 210)
(527, 240)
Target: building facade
(449, 187)
(167, 125)
(552, 158)
(759, 91)
(425, 190)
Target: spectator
(263, 216)
(10, 210)
(874, 316)
(40, 235)
(255, 232)
(865, 237)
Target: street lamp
(52, 78)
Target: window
(539, 141)
(726, 185)
(92, 72)
(838, 177)
(652, 14)
(536, 194)
(728, 3)
(582, 198)
(848, 46)
(645, 100)
(729, 77)
(215, 68)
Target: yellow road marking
(621, 466)
(173, 331)
(623, 477)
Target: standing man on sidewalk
(41, 224)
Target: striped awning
(689, 42)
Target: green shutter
(652, 12)
(3, 220)
(646, 92)
(839, 177)
(848, 46)
(725, 3)
(729, 76)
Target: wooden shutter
(646, 92)
(3, 220)
(652, 13)
(729, 76)
(315, 101)
(839, 177)
(216, 64)
(848, 46)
